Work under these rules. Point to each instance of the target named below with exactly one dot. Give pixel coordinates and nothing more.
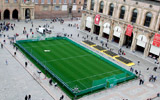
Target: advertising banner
(156, 40)
(129, 30)
(97, 19)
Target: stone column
(122, 38)
(147, 48)
(10, 16)
(92, 29)
(2, 16)
(101, 29)
(33, 13)
(134, 42)
(111, 31)
(88, 4)
(83, 21)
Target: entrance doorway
(70, 10)
(96, 29)
(87, 29)
(128, 40)
(115, 39)
(6, 14)
(139, 48)
(15, 14)
(27, 13)
(105, 35)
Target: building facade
(36, 9)
(117, 18)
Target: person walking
(26, 64)
(26, 97)
(6, 62)
(138, 62)
(1, 45)
(29, 97)
(50, 81)
(14, 53)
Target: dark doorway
(139, 48)
(27, 13)
(0, 15)
(115, 39)
(105, 35)
(151, 55)
(6, 14)
(70, 10)
(96, 29)
(87, 29)
(15, 14)
(128, 41)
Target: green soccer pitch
(79, 69)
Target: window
(6, 1)
(134, 16)
(42, 1)
(111, 8)
(54, 1)
(56, 8)
(101, 7)
(148, 19)
(49, 1)
(74, 1)
(15, 1)
(60, 1)
(36, 1)
(65, 1)
(122, 12)
(92, 5)
(70, 1)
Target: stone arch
(101, 6)
(89, 21)
(106, 27)
(148, 13)
(132, 17)
(6, 14)
(15, 14)
(142, 38)
(122, 12)
(27, 13)
(117, 31)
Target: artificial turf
(75, 66)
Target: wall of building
(142, 36)
(42, 10)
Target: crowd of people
(7, 26)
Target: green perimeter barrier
(54, 75)
(97, 84)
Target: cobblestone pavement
(18, 80)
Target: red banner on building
(97, 19)
(129, 30)
(156, 40)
